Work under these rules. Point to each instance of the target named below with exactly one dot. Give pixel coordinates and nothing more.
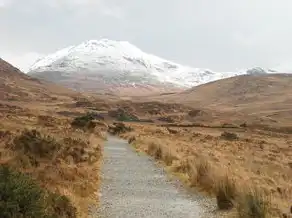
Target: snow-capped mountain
(108, 64)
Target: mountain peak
(119, 64)
(105, 43)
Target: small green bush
(122, 115)
(85, 122)
(119, 128)
(127, 118)
(82, 121)
(19, 195)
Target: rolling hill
(259, 98)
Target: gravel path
(134, 187)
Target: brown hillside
(239, 91)
(38, 139)
(259, 98)
(15, 85)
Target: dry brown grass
(61, 159)
(253, 203)
(36, 137)
(226, 193)
(225, 167)
(201, 174)
(160, 152)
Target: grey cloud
(220, 35)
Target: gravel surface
(133, 186)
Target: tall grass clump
(253, 204)
(200, 173)
(225, 193)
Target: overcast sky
(222, 35)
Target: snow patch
(122, 61)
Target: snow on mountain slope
(119, 63)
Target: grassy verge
(55, 165)
(233, 188)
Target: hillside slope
(266, 98)
(15, 85)
(40, 143)
(240, 90)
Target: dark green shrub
(127, 117)
(19, 195)
(229, 136)
(119, 128)
(84, 121)
(122, 115)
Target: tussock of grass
(199, 170)
(253, 204)
(181, 166)
(225, 193)
(203, 168)
(131, 139)
(160, 152)
(155, 151)
(168, 157)
(200, 173)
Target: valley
(228, 140)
